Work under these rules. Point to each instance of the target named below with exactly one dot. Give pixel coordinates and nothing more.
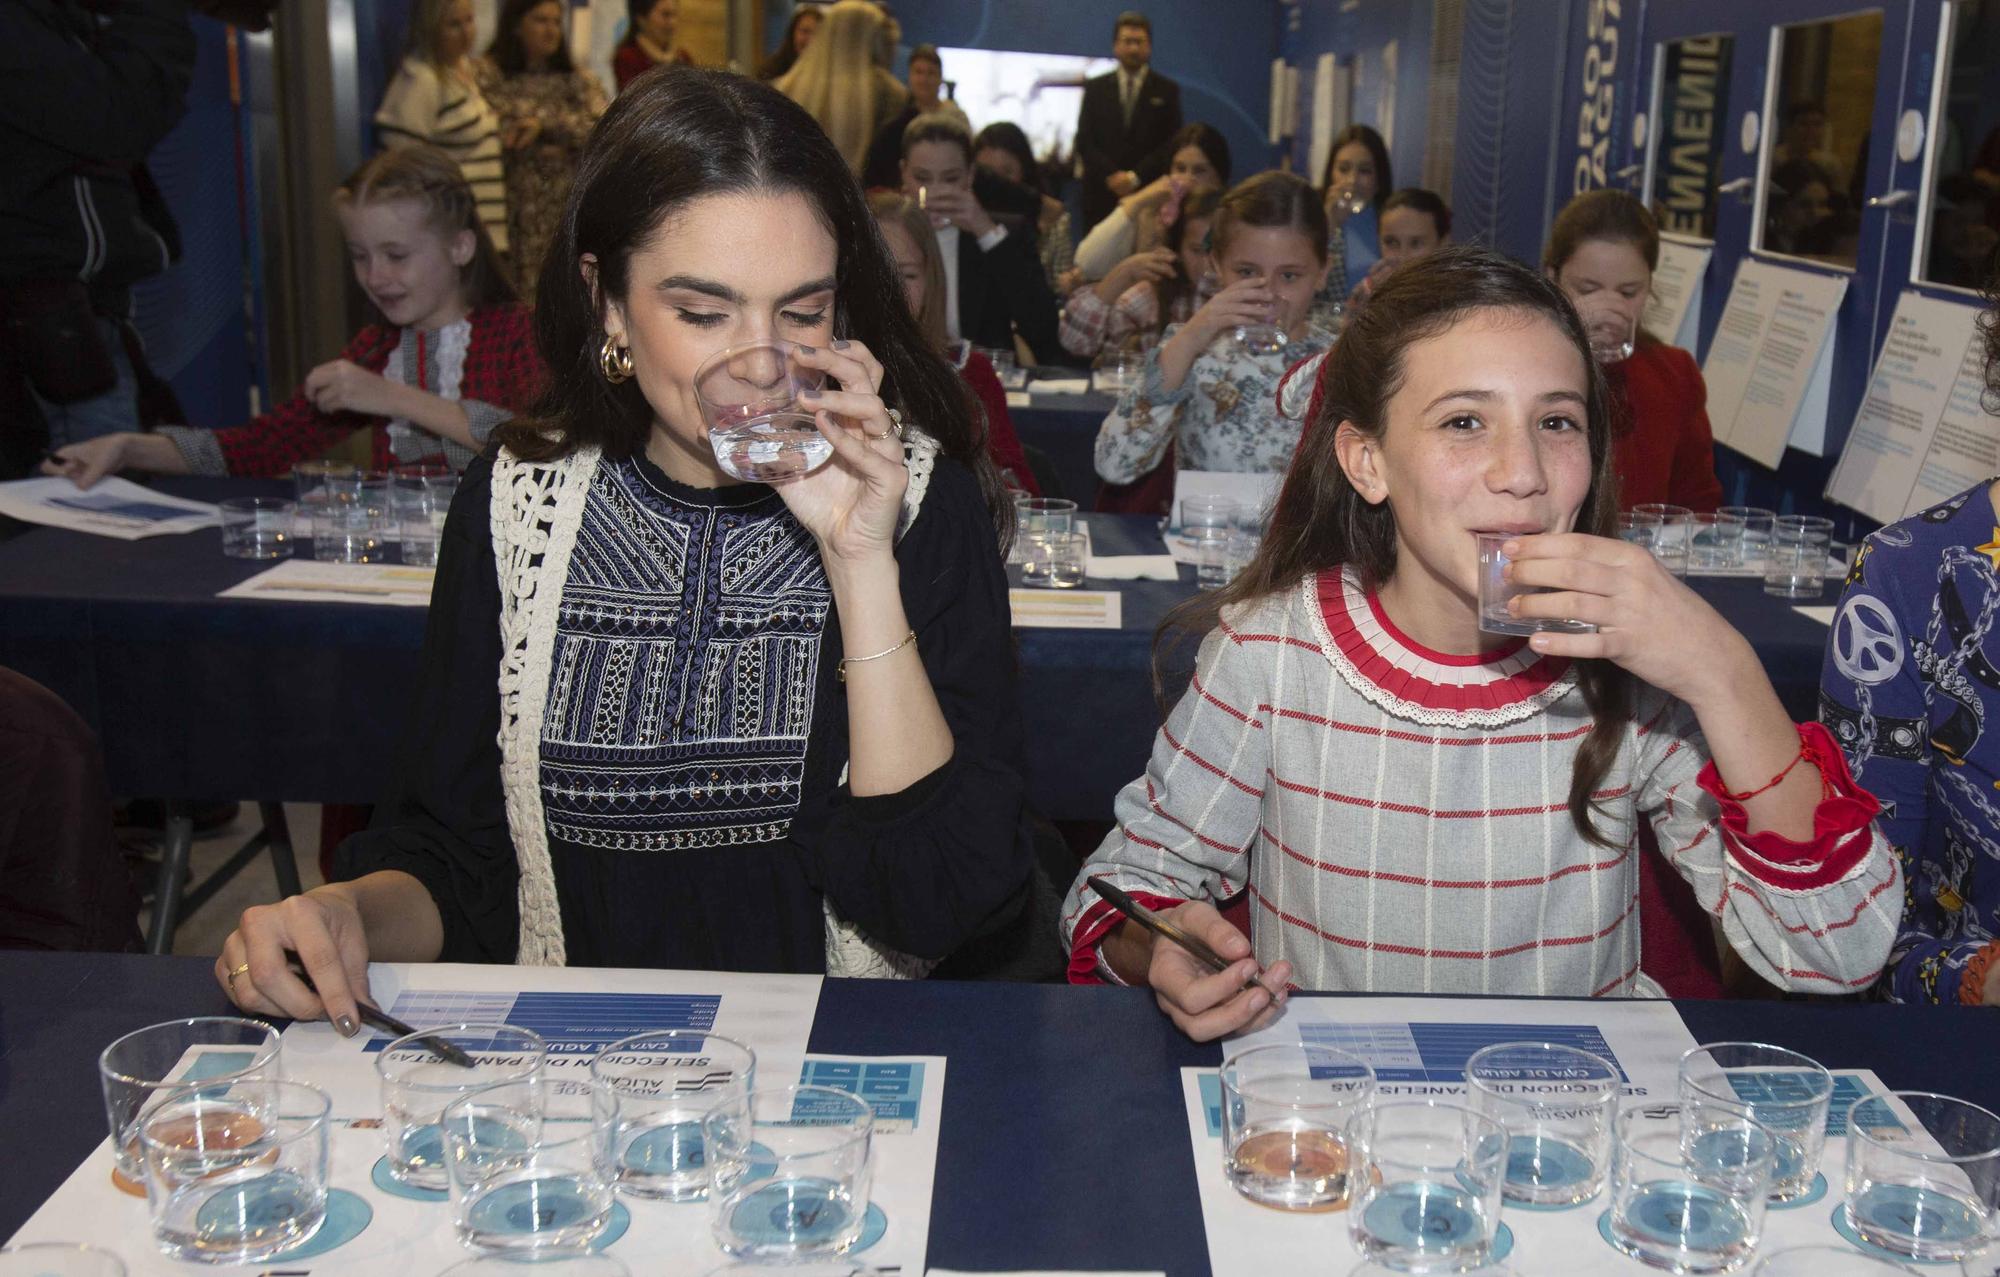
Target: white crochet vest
(536, 510)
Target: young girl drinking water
(454, 358)
(1205, 389)
(1414, 805)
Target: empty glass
(1495, 590)
(1688, 1185)
(791, 1172)
(140, 1068)
(1557, 1103)
(1825, 1261)
(1115, 371)
(257, 527)
(1795, 564)
(1285, 1111)
(1923, 1175)
(421, 496)
(524, 1176)
(236, 1172)
(1240, 552)
(59, 1259)
(309, 489)
(1043, 516)
(1755, 542)
(417, 1086)
(1671, 526)
(749, 401)
(1428, 1179)
(1715, 542)
(1055, 561)
(1788, 1092)
(343, 523)
(648, 1095)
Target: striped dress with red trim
(1400, 819)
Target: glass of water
(648, 1094)
(1689, 1184)
(257, 527)
(417, 1086)
(59, 1259)
(1495, 591)
(791, 1173)
(1923, 1175)
(1788, 1092)
(749, 400)
(1795, 564)
(343, 524)
(144, 1066)
(1715, 542)
(1056, 561)
(1557, 1103)
(421, 497)
(1672, 527)
(1429, 1176)
(524, 1170)
(309, 489)
(1285, 1111)
(1117, 369)
(236, 1172)
(1755, 542)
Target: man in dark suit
(994, 285)
(1127, 119)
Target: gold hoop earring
(615, 361)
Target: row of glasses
(1790, 549)
(352, 515)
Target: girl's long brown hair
(1321, 523)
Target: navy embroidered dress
(694, 739)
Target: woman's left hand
(853, 503)
(1648, 622)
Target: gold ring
(237, 971)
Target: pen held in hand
(1160, 927)
(376, 1018)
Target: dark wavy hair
(1209, 140)
(506, 47)
(1321, 522)
(1377, 150)
(1005, 135)
(675, 136)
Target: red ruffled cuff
(1096, 923)
(1841, 832)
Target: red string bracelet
(1772, 783)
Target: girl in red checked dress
(455, 357)
(1414, 805)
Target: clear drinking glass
(1056, 561)
(417, 1086)
(1756, 539)
(1116, 370)
(1347, 200)
(1557, 1103)
(1689, 1184)
(1428, 1179)
(1671, 527)
(1043, 517)
(421, 497)
(1795, 565)
(1825, 1261)
(1495, 590)
(59, 1259)
(1239, 552)
(257, 527)
(139, 1069)
(749, 401)
(1929, 1189)
(1612, 333)
(1285, 1111)
(1261, 339)
(648, 1094)
(1202, 511)
(1715, 542)
(309, 489)
(791, 1173)
(1638, 529)
(343, 526)
(523, 1162)
(236, 1172)
(1788, 1092)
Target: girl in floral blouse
(1205, 391)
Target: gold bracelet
(841, 669)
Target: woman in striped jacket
(1415, 806)
(435, 100)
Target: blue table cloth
(1065, 427)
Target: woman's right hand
(1208, 1005)
(323, 927)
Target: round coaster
(1429, 1222)
(347, 1214)
(1814, 1192)
(1854, 1239)
(1503, 1244)
(614, 1228)
(1546, 1163)
(873, 1225)
(388, 1183)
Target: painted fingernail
(807, 350)
(346, 1026)
(842, 344)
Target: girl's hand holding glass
(1208, 1005)
(1245, 302)
(852, 504)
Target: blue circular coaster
(388, 1183)
(1503, 1244)
(1854, 1239)
(1814, 1192)
(614, 1228)
(873, 1225)
(347, 1214)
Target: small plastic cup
(1788, 1092)
(309, 479)
(1689, 1184)
(1557, 1103)
(1428, 1179)
(1755, 543)
(1495, 590)
(1672, 529)
(791, 1173)
(343, 522)
(257, 527)
(748, 396)
(1795, 564)
(1285, 1114)
(649, 1093)
(1056, 562)
(1923, 1175)
(236, 1173)
(1715, 542)
(421, 498)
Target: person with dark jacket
(1127, 118)
(86, 91)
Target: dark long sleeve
(1160, 157)
(1091, 145)
(1013, 270)
(948, 858)
(106, 103)
(446, 822)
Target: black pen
(376, 1018)
(1160, 927)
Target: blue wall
(1219, 52)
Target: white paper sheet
(309, 581)
(1673, 307)
(113, 508)
(1132, 567)
(1067, 609)
(1059, 386)
(1248, 1240)
(1824, 615)
(1766, 368)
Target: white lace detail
(1412, 711)
(453, 340)
(535, 512)
(852, 955)
(919, 458)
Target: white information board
(1673, 308)
(1920, 435)
(1767, 368)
